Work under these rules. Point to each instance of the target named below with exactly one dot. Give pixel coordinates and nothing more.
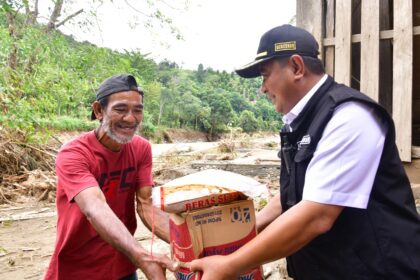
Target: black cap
(281, 41)
(115, 84)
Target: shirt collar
(292, 115)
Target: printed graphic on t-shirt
(118, 181)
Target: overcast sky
(221, 34)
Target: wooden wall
(371, 45)
(416, 77)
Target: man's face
(122, 116)
(276, 85)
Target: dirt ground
(28, 226)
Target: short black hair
(314, 65)
(104, 102)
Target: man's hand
(154, 267)
(214, 267)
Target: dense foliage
(53, 81)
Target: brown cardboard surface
(218, 230)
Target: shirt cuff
(337, 198)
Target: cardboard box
(218, 230)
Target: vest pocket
(304, 154)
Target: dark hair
(314, 65)
(104, 102)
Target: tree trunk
(160, 112)
(55, 15)
(31, 16)
(12, 59)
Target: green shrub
(148, 129)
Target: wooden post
(329, 33)
(403, 74)
(342, 63)
(369, 58)
(309, 17)
(385, 59)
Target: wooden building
(374, 46)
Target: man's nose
(263, 89)
(130, 117)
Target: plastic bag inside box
(205, 189)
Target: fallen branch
(34, 148)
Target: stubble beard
(120, 139)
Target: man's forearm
(154, 217)
(269, 213)
(112, 230)
(109, 227)
(286, 235)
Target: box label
(219, 230)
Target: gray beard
(111, 134)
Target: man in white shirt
(345, 208)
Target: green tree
(55, 78)
(191, 107)
(238, 102)
(152, 100)
(201, 74)
(248, 122)
(221, 112)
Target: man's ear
(98, 110)
(298, 65)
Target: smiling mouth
(127, 127)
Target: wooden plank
(389, 34)
(369, 57)
(412, 169)
(329, 32)
(386, 34)
(342, 65)
(385, 57)
(415, 152)
(328, 42)
(403, 76)
(383, 35)
(356, 38)
(309, 17)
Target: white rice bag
(204, 189)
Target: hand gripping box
(218, 230)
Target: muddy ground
(28, 224)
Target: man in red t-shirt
(100, 175)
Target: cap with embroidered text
(281, 41)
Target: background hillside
(48, 82)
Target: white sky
(221, 34)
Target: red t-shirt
(80, 253)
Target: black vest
(380, 242)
